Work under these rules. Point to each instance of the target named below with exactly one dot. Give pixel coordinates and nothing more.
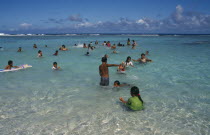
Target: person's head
(142, 55)
(128, 59)
(19, 47)
(134, 91)
(147, 52)
(56, 51)
(45, 45)
(116, 83)
(104, 59)
(133, 40)
(10, 62)
(87, 53)
(39, 51)
(55, 64)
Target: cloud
(75, 18)
(25, 25)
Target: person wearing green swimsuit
(135, 102)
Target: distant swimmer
(34, 46)
(55, 66)
(143, 59)
(56, 53)
(117, 84)
(96, 43)
(128, 62)
(134, 44)
(113, 47)
(10, 65)
(75, 44)
(87, 54)
(39, 53)
(1, 48)
(45, 45)
(19, 49)
(104, 71)
(104, 43)
(147, 53)
(114, 52)
(135, 102)
(128, 41)
(108, 44)
(84, 45)
(63, 48)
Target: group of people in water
(135, 102)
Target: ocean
(175, 87)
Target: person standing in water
(104, 71)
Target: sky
(104, 16)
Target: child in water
(39, 53)
(121, 67)
(56, 53)
(55, 66)
(10, 65)
(135, 102)
(117, 84)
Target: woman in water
(135, 102)
(121, 67)
(56, 53)
(128, 62)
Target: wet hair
(127, 60)
(54, 63)
(56, 51)
(142, 54)
(10, 62)
(39, 51)
(104, 59)
(118, 82)
(87, 52)
(135, 91)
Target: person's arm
(112, 65)
(148, 60)
(122, 100)
(7, 67)
(15, 66)
(137, 60)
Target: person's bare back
(103, 70)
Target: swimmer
(114, 52)
(84, 45)
(143, 59)
(64, 48)
(134, 44)
(87, 54)
(45, 45)
(10, 65)
(128, 41)
(121, 67)
(55, 66)
(135, 102)
(39, 53)
(75, 44)
(34, 46)
(113, 47)
(96, 42)
(56, 53)
(19, 49)
(117, 84)
(128, 62)
(104, 43)
(147, 53)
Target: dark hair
(127, 60)
(54, 63)
(104, 59)
(56, 51)
(118, 82)
(142, 54)
(135, 91)
(39, 51)
(10, 62)
(87, 52)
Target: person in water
(128, 62)
(147, 53)
(117, 84)
(45, 45)
(143, 59)
(134, 44)
(104, 71)
(56, 53)
(121, 67)
(84, 45)
(104, 43)
(19, 49)
(87, 54)
(114, 52)
(128, 41)
(39, 53)
(55, 66)
(34, 46)
(10, 65)
(113, 47)
(96, 43)
(135, 102)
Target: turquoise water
(175, 87)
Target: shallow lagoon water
(175, 87)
